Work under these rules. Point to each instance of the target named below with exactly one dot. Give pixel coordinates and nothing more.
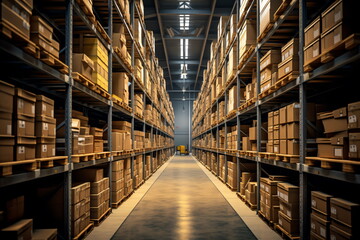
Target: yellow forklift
(182, 150)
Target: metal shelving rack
(72, 92)
(291, 92)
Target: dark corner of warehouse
(179, 119)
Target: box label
(32, 109)
(337, 16)
(313, 203)
(332, 237)
(313, 226)
(21, 124)
(8, 129)
(322, 232)
(316, 33)
(352, 119)
(20, 104)
(44, 148)
(44, 107)
(338, 152)
(53, 151)
(46, 126)
(333, 210)
(353, 148)
(21, 150)
(337, 38)
(287, 69)
(315, 52)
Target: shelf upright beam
(303, 204)
(132, 22)
(68, 117)
(258, 109)
(110, 115)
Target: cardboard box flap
(6, 140)
(88, 61)
(25, 94)
(321, 195)
(287, 186)
(7, 88)
(354, 106)
(42, 98)
(26, 140)
(323, 140)
(344, 203)
(268, 181)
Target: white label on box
(52, 113)
(337, 16)
(8, 129)
(45, 126)
(53, 151)
(21, 149)
(316, 33)
(313, 226)
(332, 237)
(338, 152)
(275, 149)
(353, 148)
(267, 189)
(297, 105)
(352, 119)
(20, 104)
(44, 107)
(322, 232)
(333, 210)
(288, 213)
(315, 52)
(33, 109)
(54, 131)
(337, 38)
(280, 222)
(313, 203)
(21, 124)
(44, 148)
(287, 69)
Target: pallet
(102, 155)
(246, 8)
(102, 92)
(139, 115)
(54, 62)
(98, 221)
(83, 80)
(102, 32)
(287, 158)
(230, 187)
(251, 206)
(283, 6)
(270, 223)
(19, 39)
(251, 153)
(52, 161)
(87, 11)
(231, 77)
(125, 60)
(10, 168)
(265, 32)
(242, 197)
(82, 157)
(231, 114)
(248, 103)
(85, 232)
(348, 166)
(284, 234)
(246, 56)
(116, 153)
(286, 79)
(268, 91)
(267, 155)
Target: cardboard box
(98, 146)
(354, 145)
(288, 193)
(83, 65)
(289, 225)
(24, 126)
(17, 14)
(45, 147)
(267, 14)
(117, 196)
(6, 125)
(290, 210)
(283, 147)
(247, 37)
(19, 230)
(290, 49)
(334, 121)
(291, 65)
(25, 148)
(7, 146)
(24, 103)
(283, 131)
(345, 212)
(45, 126)
(354, 115)
(272, 57)
(338, 233)
(120, 86)
(7, 92)
(39, 26)
(89, 175)
(333, 37)
(320, 226)
(13, 209)
(44, 234)
(118, 166)
(321, 202)
(293, 112)
(45, 44)
(276, 146)
(312, 52)
(292, 130)
(312, 32)
(276, 117)
(293, 147)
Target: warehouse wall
(182, 123)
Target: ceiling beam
(181, 91)
(189, 62)
(205, 40)
(163, 40)
(200, 12)
(179, 72)
(182, 80)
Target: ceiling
(163, 15)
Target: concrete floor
(183, 200)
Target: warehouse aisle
(183, 204)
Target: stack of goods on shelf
(139, 71)
(312, 42)
(289, 129)
(232, 100)
(41, 34)
(85, 140)
(246, 178)
(250, 144)
(99, 190)
(268, 69)
(221, 109)
(247, 38)
(60, 134)
(232, 172)
(289, 207)
(320, 215)
(121, 137)
(155, 164)
(269, 200)
(24, 118)
(98, 139)
(7, 142)
(138, 170)
(139, 139)
(97, 52)
(250, 194)
(127, 177)
(344, 219)
(147, 166)
(120, 86)
(267, 9)
(289, 59)
(148, 115)
(214, 163)
(80, 207)
(83, 65)
(222, 166)
(139, 104)
(118, 182)
(232, 63)
(213, 141)
(45, 127)
(147, 140)
(231, 138)
(220, 29)
(251, 88)
(119, 42)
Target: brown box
(44, 106)
(6, 124)
(117, 196)
(83, 65)
(7, 146)
(292, 112)
(120, 86)
(17, 14)
(118, 166)
(25, 148)
(290, 210)
(276, 132)
(354, 145)
(276, 117)
(334, 121)
(354, 115)
(312, 32)
(312, 51)
(290, 49)
(345, 212)
(97, 132)
(283, 147)
(291, 226)
(276, 146)
(288, 193)
(13, 209)
(288, 66)
(247, 37)
(283, 131)
(271, 119)
(24, 103)
(338, 233)
(292, 130)
(24, 126)
(320, 226)
(98, 146)
(89, 175)
(267, 14)
(293, 147)
(121, 125)
(269, 186)
(45, 147)
(252, 134)
(321, 202)
(19, 230)
(39, 26)
(45, 234)
(282, 115)
(45, 126)
(7, 92)
(272, 57)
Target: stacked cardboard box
(247, 37)
(127, 177)
(60, 135)
(267, 9)
(24, 118)
(119, 38)
(232, 138)
(118, 181)
(147, 166)
(344, 219)
(289, 207)
(312, 41)
(221, 109)
(121, 137)
(83, 64)
(222, 166)
(232, 63)
(289, 129)
(232, 172)
(45, 127)
(222, 26)
(98, 139)
(139, 139)
(250, 193)
(250, 143)
(80, 207)
(139, 103)
(41, 33)
(139, 70)
(289, 59)
(85, 141)
(120, 86)
(139, 177)
(353, 126)
(320, 215)
(246, 178)
(268, 69)
(97, 52)
(7, 141)
(232, 100)
(148, 113)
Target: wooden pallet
(246, 8)
(242, 197)
(85, 232)
(83, 80)
(265, 32)
(116, 153)
(287, 158)
(286, 79)
(248, 103)
(270, 223)
(251, 206)
(267, 155)
(98, 221)
(10, 168)
(251, 153)
(231, 114)
(246, 56)
(87, 11)
(102, 155)
(19, 39)
(349, 166)
(53, 61)
(123, 58)
(140, 184)
(102, 32)
(102, 92)
(139, 115)
(268, 91)
(230, 187)
(283, 6)
(82, 157)
(284, 234)
(52, 161)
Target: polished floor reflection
(183, 204)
